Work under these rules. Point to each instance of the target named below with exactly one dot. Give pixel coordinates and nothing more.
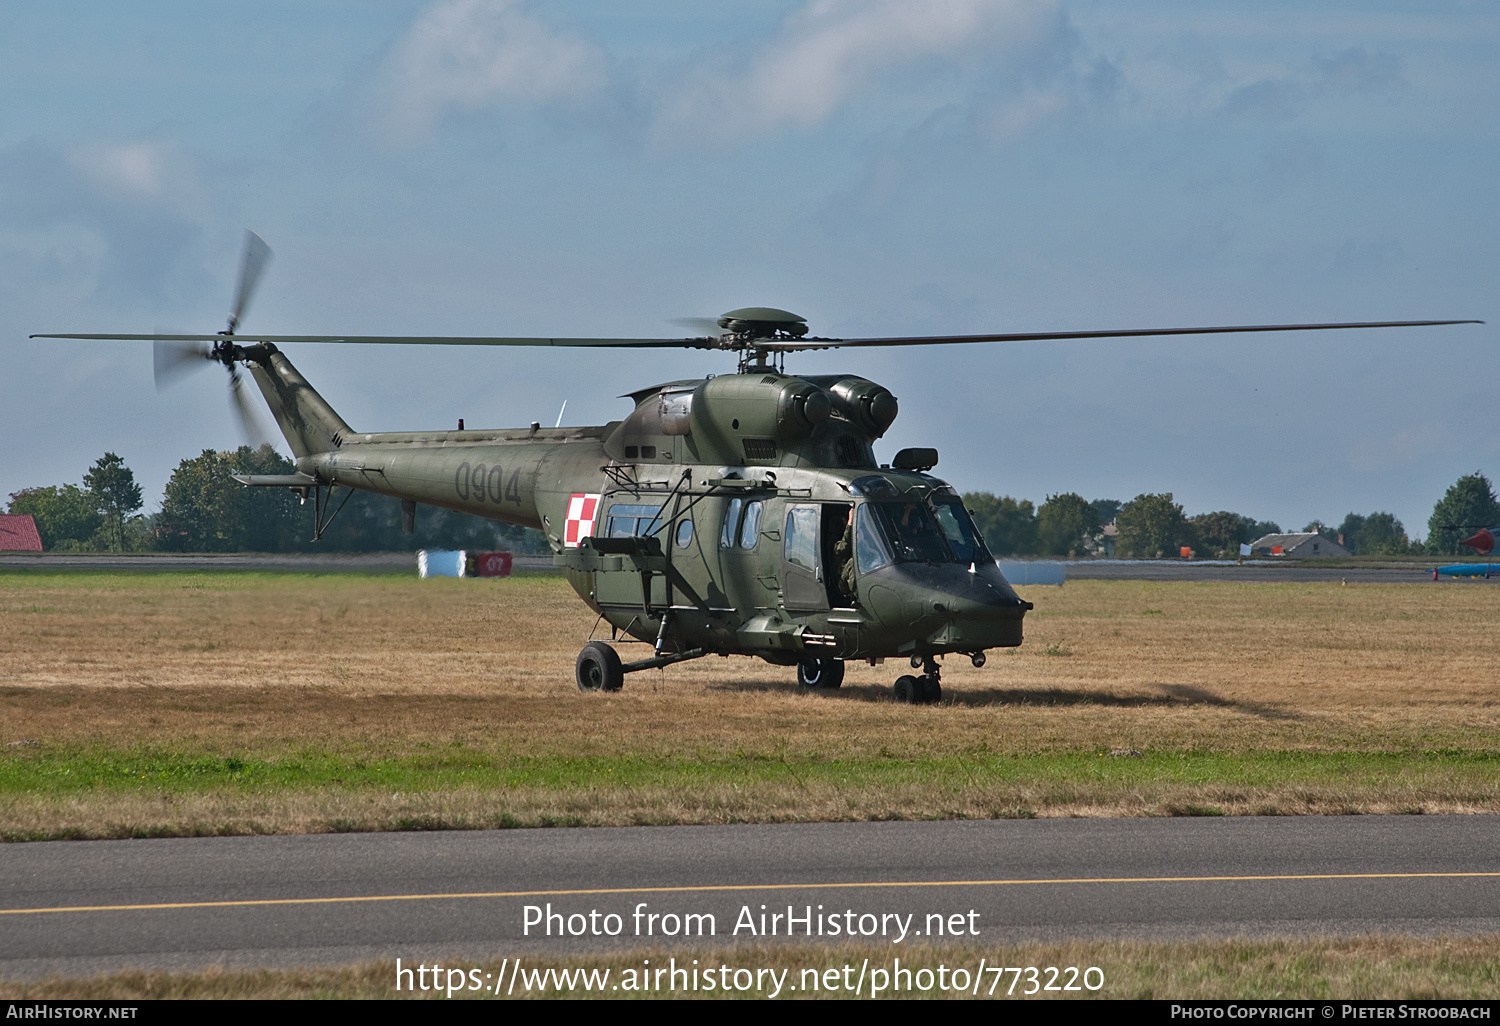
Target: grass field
(1314, 969)
(158, 704)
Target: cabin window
(684, 533)
(802, 538)
(648, 452)
(632, 521)
(731, 523)
(632, 452)
(741, 523)
(750, 528)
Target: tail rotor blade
(172, 360)
(252, 428)
(257, 255)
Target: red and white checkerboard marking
(580, 523)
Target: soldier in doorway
(843, 559)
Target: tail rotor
(173, 359)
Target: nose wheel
(923, 690)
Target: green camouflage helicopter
(743, 514)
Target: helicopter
(738, 514)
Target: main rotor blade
(780, 344)
(707, 325)
(420, 340)
(173, 360)
(257, 254)
(1052, 336)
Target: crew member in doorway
(843, 558)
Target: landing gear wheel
(820, 673)
(909, 689)
(932, 691)
(598, 668)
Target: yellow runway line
(745, 887)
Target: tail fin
(305, 418)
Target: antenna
(560, 413)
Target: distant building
(1303, 545)
(18, 533)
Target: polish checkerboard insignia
(580, 523)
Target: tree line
(1155, 525)
(204, 509)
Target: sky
(581, 168)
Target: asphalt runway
(77, 907)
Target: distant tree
(1468, 503)
(1349, 532)
(1260, 528)
(1152, 526)
(111, 485)
(1008, 525)
(1223, 532)
(1064, 523)
(1105, 510)
(202, 508)
(1379, 534)
(1318, 527)
(66, 517)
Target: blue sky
(582, 168)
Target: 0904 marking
(487, 483)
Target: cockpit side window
(870, 550)
(963, 537)
(911, 531)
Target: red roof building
(18, 533)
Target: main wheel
(932, 691)
(820, 673)
(599, 669)
(908, 689)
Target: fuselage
(739, 514)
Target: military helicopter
(739, 514)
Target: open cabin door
(811, 562)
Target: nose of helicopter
(948, 606)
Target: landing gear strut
(923, 690)
(599, 667)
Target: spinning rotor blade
(1055, 336)
(708, 326)
(251, 427)
(173, 360)
(257, 253)
(774, 344)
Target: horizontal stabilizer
(276, 480)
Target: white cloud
(907, 58)
(463, 55)
(135, 169)
(833, 48)
(832, 52)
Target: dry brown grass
(392, 667)
(1368, 968)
